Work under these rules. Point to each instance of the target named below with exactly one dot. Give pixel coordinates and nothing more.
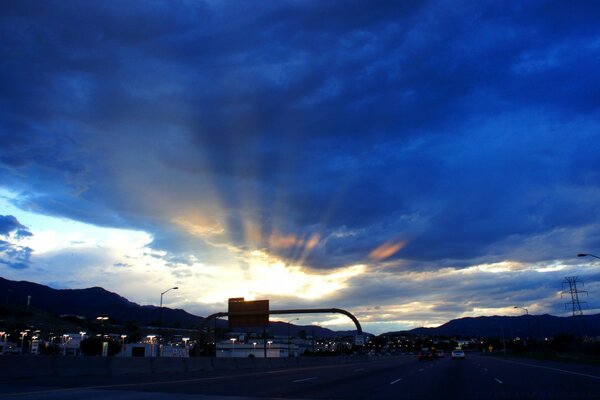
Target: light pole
(66, 339)
(528, 322)
(81, 340)
(102, 321)
(232, 346)
(289, 335)
(587, 255)
(161, 316)
(23, 334)
(3, 334)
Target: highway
(402, 377)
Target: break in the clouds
(328, 137)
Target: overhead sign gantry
(242, 313)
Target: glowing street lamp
(23, 334)
(232, 346)
(3, 334)
(65, 339)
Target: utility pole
(570, 283)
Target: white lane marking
(396, 381)
(304, 380)
(359, 369)
(421, 369)
(551, 369)
(498, 380)
(485, 369)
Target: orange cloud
(277, 240)
(387, 250)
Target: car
(458, 355)
(425, 354)
(439, 353)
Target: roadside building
(229, 349)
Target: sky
(411, 162)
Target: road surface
(403, 377)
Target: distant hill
(91, 303)
(541, 326)
(96, 301)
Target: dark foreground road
(477, 377)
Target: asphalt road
(477, 377)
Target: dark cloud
(9, 225)
(14, 256)
(467, 130)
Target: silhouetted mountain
(91, 303)
(541, 326)
(96, 301)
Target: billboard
(248, 313)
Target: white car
(458, 354)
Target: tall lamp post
(3, 334)
(289, 335)
(528, 322)
(587, 255)
(233, 347)
(161, 316)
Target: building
(234, 349)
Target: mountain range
(537, 326)
(96, 301)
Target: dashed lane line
(498, 380)
(396, 381)
(304, 380)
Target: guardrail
(43, 366)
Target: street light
(232, 346)
(161, 315)
(528, 322)
(587, 255)
(65, 339)
(289, 335)
(23, 334)
(102, 321)
(161, 301)
(5, 334)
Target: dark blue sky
(412, 139)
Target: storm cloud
(413, 135)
